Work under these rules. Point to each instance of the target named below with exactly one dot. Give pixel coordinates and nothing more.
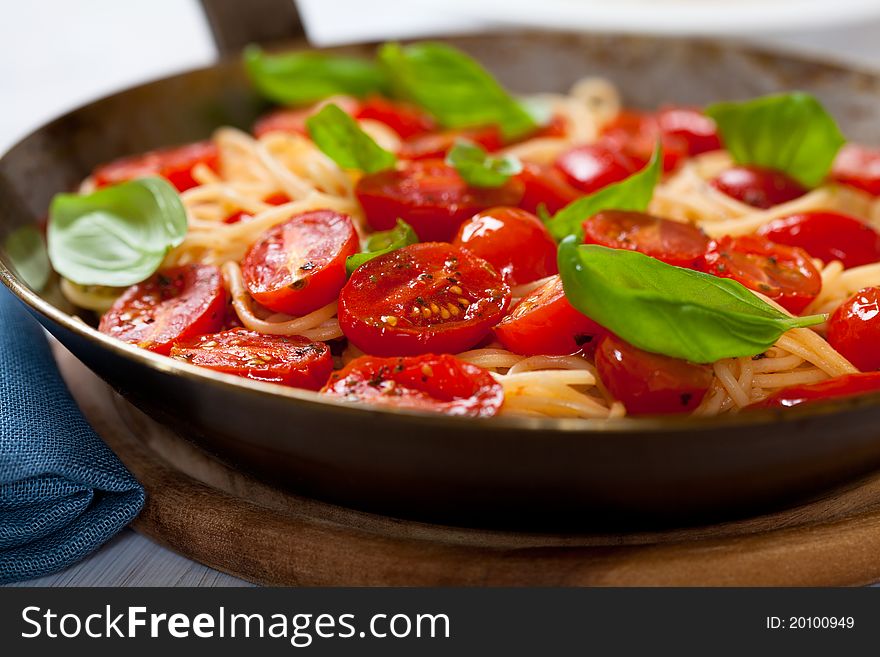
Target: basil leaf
(454, 88)
(302, 78)
(381, 243)
(670, 310)
(478, 168)
(116, 236)
(633, 193)
(791, 133)
(342, 140)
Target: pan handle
(236, 23)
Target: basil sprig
(789, 132)
(342, 140)
(633, 193)
(454, 88)
(116, 236)
(479, 169)
(384, 242)
(670, 310)
(302, 78)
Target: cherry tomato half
(406, 120)
(697, 130)
(635, 136)
(298, 266)
(758, 187)
(544, 323)
(827, 236)
(435, 145)
(650, 384)
(545, 185)
(175, 164)
(591, 167)
(289, 360)
(858, 166)
(293, 120)
(172, 305)
(850, 385)
(854, 329)
(513, 241)
(429, 297)
(783, 273)
(673, 242)
(441, 384)
(279, 198)
(430, 196)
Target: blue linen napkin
(63, 493)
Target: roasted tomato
(850, 385)
(513, 241)
(289, 360)
(827, 236)
(430, 297)
(760, 188)
(547, 186)
(673, 242)
(173, 305)
(854, 329)
(544, 323)
(299, 266)
(175, 164)
(783, 273)
(435, 145)
(406, 120)
(858, 167)
(293, 121)
(696, 129)
(650, 384)
(594, 166)
(635, 136)
(441, 383)
(430, 196)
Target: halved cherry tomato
(594, 166)
(758, 187)
(299, 266)
(858, 166)
(436, 144)
(557, 126)
(544, 323)
(406, 120)
(850, 385)
(785, 274)
(289, 360)
(441, 383)
(175, 164)
(279, 198)
(650, 384)
(430, 196)
(635, 135)
(827, 236)
(854, 329)
(429, 297)
(673, 242)
(293, 121)
(513, 241)
(545, 185)
(172, 305)
(697, 130)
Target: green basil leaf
(116, 236)
(633, 193)
(302, 78)
(384, 242)
(789, 132)
(478, 168)
(340, 138)
(454, 88)
(670, 310)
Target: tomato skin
(424, 298)
(697, 130)
(859, 167)
(175, 164)
(544, 323)
(827, 236)
(430, 196)
(591, 167)
(635, 136)
(785, 274)
(288, 360)
(650, 384)
(854, 329)
(758, 187)
(545, 185)
(316, 245)
(435, 145)
(673, 242)
(429, 382)
(293, 120)
(850, 385)
(513, 241)
(406, 120)
(174, 304)
(279, 198)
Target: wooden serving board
(215, 515)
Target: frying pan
(512, 472)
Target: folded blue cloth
(63, 493)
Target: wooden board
(213, 514)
